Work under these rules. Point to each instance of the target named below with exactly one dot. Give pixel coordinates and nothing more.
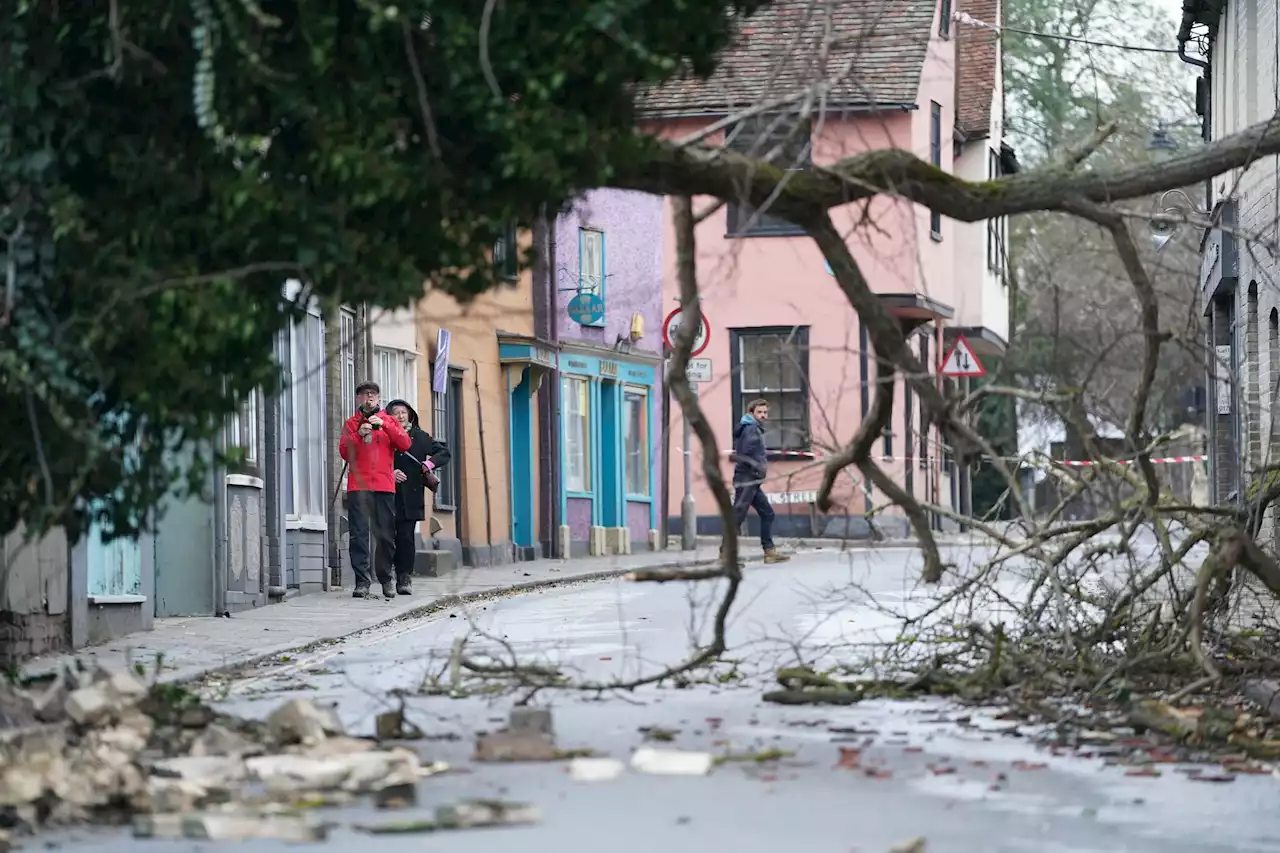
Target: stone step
(432, 563)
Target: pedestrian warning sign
(961, 361)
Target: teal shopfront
(527, 363)
(608, 405)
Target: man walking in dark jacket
(415, 470)
(750, 460)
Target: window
(395, 371)
(577, 434)
(347, 356)
(506, 253)
(591, 264)
(935, 157)
(242, 429)
(307, 451)
(635, 440)
(447, 420)
(997, 229)
(757, 138)
(773, 364)
(944, 20)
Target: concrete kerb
(190, 674)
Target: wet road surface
(963, 788)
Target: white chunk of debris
(355, 772)
(227, 827)
(595, 769)
(671, 762)
(300, 721)
(474, 814)
(914, 845)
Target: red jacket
(372, 464)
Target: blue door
(609, 494)
(522, 532)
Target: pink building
(780, 327)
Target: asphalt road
(987, 802)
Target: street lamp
(1162, 145)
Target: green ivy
(165, 165)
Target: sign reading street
(671, 326)
(961, 361)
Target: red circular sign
(700, 341)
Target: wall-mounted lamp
(637, 326)
(1166, 217)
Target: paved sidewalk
(194, 646)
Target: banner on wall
(440, 376)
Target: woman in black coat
(415, 471)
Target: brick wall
(1244, 80)
(33, 596)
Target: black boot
(404, 586)
(360, 592)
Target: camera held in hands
(366, 412)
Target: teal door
(609, 493)
(521, 431)
(115, 568)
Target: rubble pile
(101, 746)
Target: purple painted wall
(578, 517)
(632, 226)
(638, 523)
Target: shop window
(577, 434)
(302, 404)
(396, 373)
(773, 364)
(756, 138)
(635, 440)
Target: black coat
(411, 504)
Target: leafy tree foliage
(165, 165)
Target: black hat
(368, 386)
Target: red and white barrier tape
(787, 455)
(1162, 460)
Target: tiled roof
(778, 51)
(977, 52)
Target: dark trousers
(406, 547)
(751, 495)
(372, 521)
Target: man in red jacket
(368, 445)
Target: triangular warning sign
(961, 361)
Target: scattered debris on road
(671, 762)
(595, 769)
(102, 746)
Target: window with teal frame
(635, 440)
(591, 265)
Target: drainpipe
(219, 578)
(546, 326)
